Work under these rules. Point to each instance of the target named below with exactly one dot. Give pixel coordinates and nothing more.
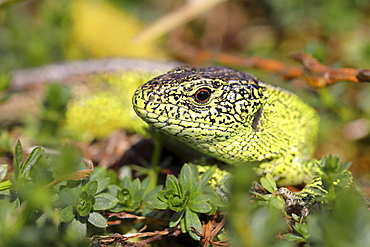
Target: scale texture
(234, 117)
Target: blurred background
(337, 33)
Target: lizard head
(203, 107)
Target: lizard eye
(202, 95)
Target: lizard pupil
(202, 95)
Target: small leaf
(146, 183)
(16, 203)
(162, 196)
(102, 183)
(5, 185)
(172, 183)
(264, 197)
(157, 204)
(207, 175)
(187, 176)
(295, 217)
(135, 186)
(302, 229)
(84, 205)
(105, 201)
(18, 156)
(200, 204)
(277, 202)
(192, 220)
(114, 189)
(78, 229)
(67, 215)
(99, 172)
(176, 203)
(153, 193)
(91, 187)
(293, 237)
(66, 197)
(32, 159)
(269, 183)
(176, 217)
(126, 181)
(344, 167)
(84, 210)
(3, 171)
(171, 192)
(97, 220)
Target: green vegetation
(51, 196)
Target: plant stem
(157, 154)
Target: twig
(122, 239)
(210, 230)
(313, 72)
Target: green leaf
(135, 186)
(97, 220)
(126, 181)
(187, 176)
(162, 196)
(31, 160)
(84, 204)
(207, 175)
(264, 197)
(78, 229)
(146, 183)
(192, 220)
(66, 197)
(176, 218)
(67, 215)
(16, 203)
(200, 204)
(295, 217)
(157, 204)
(176, 203)
(124, 195)
(99, 172)
(171, 192)
(105, 201)
(5, 185)
(114, 189)
(277, 202)
(345, 166)
(269, 183)
(173, 183)
(153, 193)
(84, 208)
(302, 229)
(293, 237)
(18, 156)
(75, 187)
(102, 183)
(91, 187)
(3, 171)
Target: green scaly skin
(235, 118)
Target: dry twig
(122, 239)
(313, 72)
(210, 230)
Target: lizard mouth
(185, 129)
(159, 121)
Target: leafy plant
(188, 196)
(43, 193)
(133, 194)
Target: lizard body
(234, 117)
